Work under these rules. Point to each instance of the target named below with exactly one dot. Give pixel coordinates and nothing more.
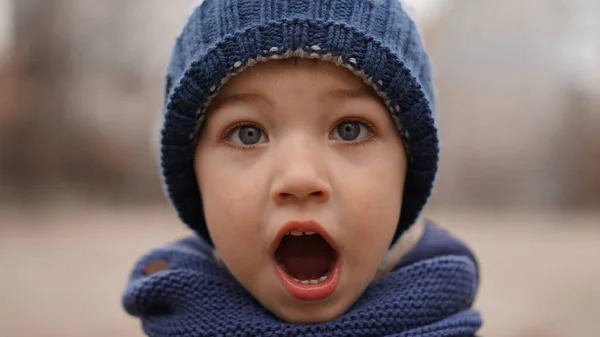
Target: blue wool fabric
(429, 294)
(375, 39)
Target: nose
(300, 178)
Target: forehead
(320, 77)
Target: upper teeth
(300, 233)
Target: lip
(300, 291)
(309, 292)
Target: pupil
(249, 135)
(349, 130)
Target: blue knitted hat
(375, 39)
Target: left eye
(247, 135)
(350, 131)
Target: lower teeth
(312, 281)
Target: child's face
(293, 147)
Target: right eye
(246, 135)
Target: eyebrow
(238, 97)
(360, 92)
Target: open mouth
(306, 262)
(306, 257)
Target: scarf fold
(429, 294)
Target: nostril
(284, 195)
(315, 194)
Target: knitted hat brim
(189, 97)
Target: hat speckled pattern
(375, 39)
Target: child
(299, 144)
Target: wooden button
(156, 266)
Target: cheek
(372, 199)
(231, 204)
(376, 209)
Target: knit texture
(375, 39)
(429, 294)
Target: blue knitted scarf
(429, 294)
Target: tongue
(305, 257)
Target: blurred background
(81, 91)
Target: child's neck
(405, 243)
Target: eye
(246, 135)
(351, 131)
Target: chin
(294, 311)
(312, 313)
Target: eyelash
(229, 131)
(370, 127)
